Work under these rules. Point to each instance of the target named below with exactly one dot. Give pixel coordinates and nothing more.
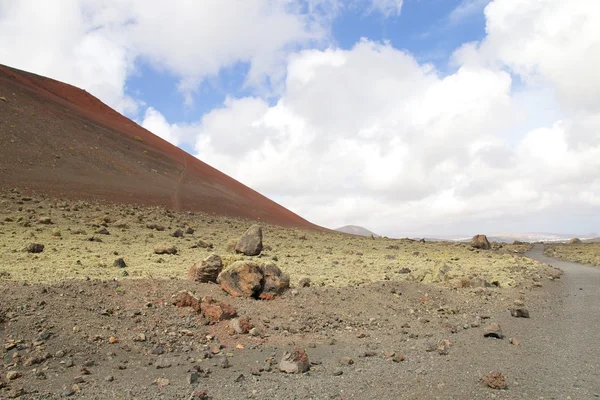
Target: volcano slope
(61, 141)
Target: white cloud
(387, 7)
(467, 9)
(95, 45)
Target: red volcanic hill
(61, 141)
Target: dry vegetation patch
(584, 253)
(82, 240)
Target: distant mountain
(356, 230)
(533, 237)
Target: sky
(407, 117)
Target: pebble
(67, 392)
(12, 375)
(494, 331)
(519, 312)
(346, 361)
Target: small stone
(337, 372)
(165, 249)
(161, 382)
(241, 325)
(178, 233)
(493, 330)
(35, 248)
(12, 375)
(192, 378)
(514, 341)
(113, 340)
(120, 263)
(109, 378)
(240, 378)
(519, 312)
(79, 379)
(162, 363)
(158, 350)
(398, 358)
(67, 392)
(346, 361)
(304, 282)
(389, 354)
(224, 362)
(294, 362)
(254, 332)
(494, 380)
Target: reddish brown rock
(216, 310)
(186, 299)
(480, 242)
(206, 270)
(242, 279)
(494, 380)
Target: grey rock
(250, 243)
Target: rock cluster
(210, 308)
(249, 279)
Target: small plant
(138, 138)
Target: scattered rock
(514, 341)
(120, 263)
(12, 375)
(304, 282)
(494, 330)
(157, 227)
(346, 361)
(103, 231)
(207, 270)
(216, 310)
(35, 248)
(294, 362)
(186, 299)
(241, 325)
(494, 380)
(519, 312)
(165, 249)
(575, 241)
(250, 243)
(480, 242)
(178, 233)
(189, 231)
(45, 220)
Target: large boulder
(575, 241)
(480, 242)
(249, 279)
(250, 243)
(274, 281)
(206, 270)
(242, 279)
